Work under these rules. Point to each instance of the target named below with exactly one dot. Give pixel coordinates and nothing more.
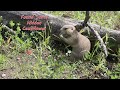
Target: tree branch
(101, 41)
(84, 23)
(87, 17)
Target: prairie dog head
(67, 30)
(69, 34)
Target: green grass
(48, 63)
(108, 19)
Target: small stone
(55, 59)
(18, 58)
(29, 52)
(66, 54)
(3, 75)
(69, 51)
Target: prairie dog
(79, 43)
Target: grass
(108, 19)
(44, 62)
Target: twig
(101, 41)
(10, 30)
(84, 23)
(87, 17)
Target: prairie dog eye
(65, 28)
(71, 28)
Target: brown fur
(79, 43)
